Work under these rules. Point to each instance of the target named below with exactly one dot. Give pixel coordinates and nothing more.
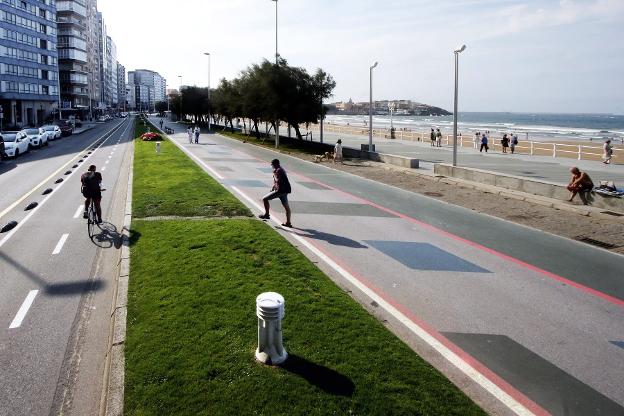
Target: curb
(114, 378)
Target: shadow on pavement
(108, 237)
(56, 289)
(336, 240)
(328, 380)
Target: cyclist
(90, 188)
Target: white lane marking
(60, 244)
(103, 169)
(442, 349)
(106, 163)
(79, 211)
(46, 180)
(23, 310)
(27, 217)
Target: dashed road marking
(103, 169)
(79, 211)
(60, 244)
(23, 310)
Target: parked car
(15, 143)
(37, 137)
(2, 154)
(66, 127)
(54, 132)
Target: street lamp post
(276, 63)
(180, 76)
(370, 110)
(456, 52)
(209, 104)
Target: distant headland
(384, 107)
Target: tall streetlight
(370, 110)
(180, 76)
(276, 63)
(456, 52)
(209, 104)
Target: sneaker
(264, 217)
(85, 215)
(287, 225)
(99, 221)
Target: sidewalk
(549, 169)
(454, 283)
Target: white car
(15, 143)
(54, 132)
(37, 137)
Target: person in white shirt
(338, 151)
(608, 152)
(197, 131)
(190, 134)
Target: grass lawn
(192, 329)
(192, 333)
(172, 185)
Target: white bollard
(270, 312)
(158, 147)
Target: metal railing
(533, 148)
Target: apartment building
(28, 61)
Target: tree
(161, 107)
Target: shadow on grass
(134, 237)
(328, 380)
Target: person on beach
(438, 138)
(514, 143)
(475, 142)
(338, 151)
(484, 143)
(281, 189)
(197, 132)
(580, 182)
(189, 131)
(433, 138)
(505, 142)
(608, 152)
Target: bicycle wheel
(91, 221)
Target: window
(45, 90)
(44, 74)
(44, 59)
(43, 28)
(43, 44)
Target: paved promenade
(536, 167)
(527, 319)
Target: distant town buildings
(399, 107)
(58, 55)
(146, 88)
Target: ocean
(531, 126)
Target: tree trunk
(231, 125)
(296, 127)
(257, 131)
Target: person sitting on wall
(580, 182)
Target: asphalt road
(57, 284)
(534, 320)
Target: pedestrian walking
(281, 188)
(433, 138)
(197, 132)
(161, 124)
(189, 131)
(608, 152)
(476, 140)
(338, 151)
(505, 142)
(514, 143)
(484, 143)
(438, 138)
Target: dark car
(2, 155)
(66, 127)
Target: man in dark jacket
(90, 187)
(281, 189)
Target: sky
(521, 56)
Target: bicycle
(92, 218)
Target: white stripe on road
(106, 163)
(103, 169)
(23, 310)
(471, 372)
(79, 211)
(60, 244)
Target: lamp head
(460, 49)
(207, 53)
(374, 65)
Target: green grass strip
(170, 184)
(192, 333)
